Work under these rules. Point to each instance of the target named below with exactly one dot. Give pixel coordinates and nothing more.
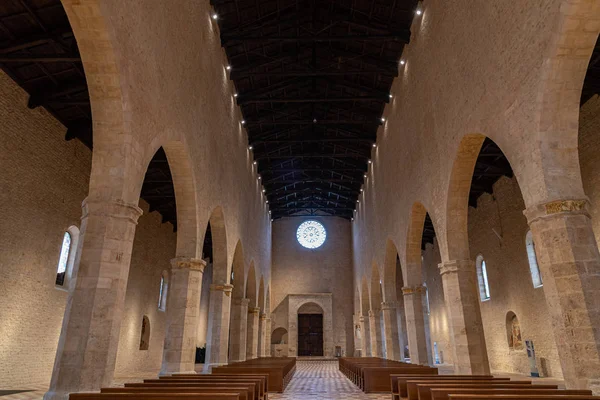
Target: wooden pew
(244, 392)
(261, 380)
(200, 384)
(377, 379)
(279, 370)
(519, 397)
(413, 392)
(398, 382)
(442, 394)
(154, 396)
(424, 390)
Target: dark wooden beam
(315, 122)
(313, 155)
(311, 74)
(52, 58)
(404, 38)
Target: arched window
(536, 276)
(513, 331)
(427, 306)
(162, 294)
(484, 286)
(66, 259)
(145, 334)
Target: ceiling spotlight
(259, 177)
(352, 219)
(264, 190)
(271, 219)
(391, 95)
(361, 190)
(228, 68)
(254, 163)
(358, 201)
(382, 119)
(419, 12)
(215, 16)
(314, 121)
(365, 176)
(250, 148)
(267, 201)
(235, 95)
(402, 62)
(370, 162)
(243, 122)
(374, 145)
(269, 211)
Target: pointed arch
(456, 243)
(236, 277)
(390, 292)
(376, 284)
(268, 300)
(414, 237)
(251, 286)
(365, 303)
(221, 270)
(261, 294)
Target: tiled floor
(322, 380)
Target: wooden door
(310, 334)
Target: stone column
(268, 339)
(366, 335)
(252, 338)
(376, 334)
(239, 321)
(217, 336)
(183, 309)
(87, 347)
(390, 325)
(569, 261)
(262, 335)
(461, 297)
(415, 323)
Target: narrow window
(484, 286)
(63, 259)
(427, 306)
(145, 334)
(162, 293)
(536, 276)
(436, 354)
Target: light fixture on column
(215, 16)
(250, 147)
(235, 95)
(267, 201)
(264, 190)
(374, 145)
(243, 122)
(370, 162)
(259, 177)
(361, 190)
(391, 96)
(402, 62)
(228, 68)
(365, 176)
(254, 163)
(382, 119)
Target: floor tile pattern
(322, 380)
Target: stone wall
(509, 277)
(44, 180)
(438, 318)
(328, 269)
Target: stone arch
(312, 304)
(563, 74)
(261, 294)
(237, 271)
(268, 300)
(279, 336)
(513, 331)
(221, 270)
(364, 298)
(310, 307)
(414, 237)
(389, 272)
(114, 143)
(251, 290)
(376, 288)
(456, 245)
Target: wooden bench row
(372, 374)
(477, 387)
(187, 387)
(279, 370)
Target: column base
(208, 367)
(52, 395)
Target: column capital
(389, 305)
(456, 266)
(263, 316)
(114, 209)
(557, 208)
(226, 288)
(240, 301)
(362, 319)
(194, 264)
(374, 313)
(253, 310)
(408, 290)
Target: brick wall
(328, 269)
(43, 182)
